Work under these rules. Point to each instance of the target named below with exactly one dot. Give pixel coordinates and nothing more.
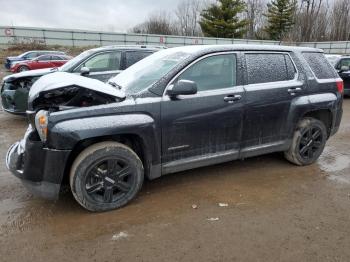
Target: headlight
(41, 121)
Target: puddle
(336, 163)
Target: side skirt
(221, 157)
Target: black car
(9, 61)
(99, 63)
(177, 109)
(343, 67)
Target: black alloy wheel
(106, 176)
(109, 180)
(310, 142)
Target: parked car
(333, 59)
(29, 56)
(43, 61)
(343, 67)
(178, 109)
(99, 63)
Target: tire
(106, 176)
(306, 149)
(23, 68)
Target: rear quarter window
(133, 57)
(265, 67)
(320, 65)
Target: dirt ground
(276, 212)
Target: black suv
(177, 109)
(99, 63)
(343, 68)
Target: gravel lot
(275, 212)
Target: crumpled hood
(59, 80)
(30, 73)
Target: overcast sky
(106, 15)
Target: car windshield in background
(149, 70)
(333, 59)
(67, 66)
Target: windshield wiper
(115, 85)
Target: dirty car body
(99, 63)
(179, 109)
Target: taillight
(340, 86)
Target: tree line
(281, 20)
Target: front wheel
(23, 68)
(106, 176)
(308, 142)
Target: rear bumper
(337, 115)
(40, 169)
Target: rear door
(43, 61)
(272, 83)
(132, 57)
(208, 124)
(56, 61)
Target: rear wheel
(106, 176)
(23, 68)
(308, 142)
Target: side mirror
(183, 87)
(84, 71)
(344, 68)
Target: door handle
(294, 90)
(232, 98)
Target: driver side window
(102, 62)
(214, 72)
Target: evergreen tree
(222, 19)
(280, 17)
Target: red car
(43, 61)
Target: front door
(204, 128)
(102, 66)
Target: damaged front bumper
(14, 100)
(40, 169)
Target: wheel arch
(323, 115)
(134, 141)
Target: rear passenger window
(265, 68)
(320, 65)
(133, 57)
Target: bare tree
(256, 20)
(340, 21)
(157, 23)
(309, 14)
(187, 16)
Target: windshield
(23, 55)
(149, 70)
(67, 66)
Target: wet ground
(275, 212)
